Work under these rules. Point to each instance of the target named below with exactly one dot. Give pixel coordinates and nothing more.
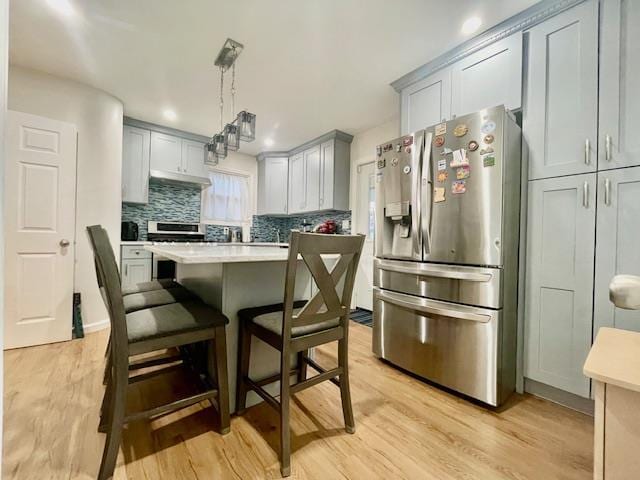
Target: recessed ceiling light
(62, 6)
(471, 25)
(169, 114)
(268, 142)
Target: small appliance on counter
(236, 236)
(129, 231)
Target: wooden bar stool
(294, 327)
(149, 330)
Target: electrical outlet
(225, 230)
(346, 224)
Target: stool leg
(116, 406)
(285, 433)
(302, 366)
(106, 406)
(107, 364)
(244, 356)
(219, 344)
(345, 393)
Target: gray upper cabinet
(617, 252)
(297, 183)
(490, 77)
(166, 153)
(619, 142)
(193, 158)
(312, 179)
(135, 164)
(426, 102)
(273, 183)
(561, 106)
(559, 280)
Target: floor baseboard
(96, 326)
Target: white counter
(219, 253)
(135, 242)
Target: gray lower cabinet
(272, 185)
(559, 280)
(561, 105)
(135, 265)
(619, 140)
(617, 249)
(135, 164)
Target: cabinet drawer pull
(607, 148)
(585, 195)
(607, 192)
(587, 152)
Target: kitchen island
(231, 278)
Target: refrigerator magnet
(442, 164)
(463, 172)
(438, 141)
(438, 195)
(488, 127)
(406, 141)
(488, 138)
(486, 150)
(442, 176)
(460, 130)
(489, 161)
(473, 146)
(458, 187)
(441, 128)
(459, 158)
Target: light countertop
(220, 253)
(134, 242)
(615, 358)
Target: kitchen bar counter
(220, 253)
(233, 277)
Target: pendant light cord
(221, 98)
(233, 87)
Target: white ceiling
(309, 66)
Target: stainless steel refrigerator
(446, 247)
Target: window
(227, 201)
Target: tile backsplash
(171, 202)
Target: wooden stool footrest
(178, 404)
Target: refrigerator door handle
(427, 306)
(424, 271)
(425, 193)
(416, 213)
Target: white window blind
(227, 200)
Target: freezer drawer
(477, 286)
(456, 346)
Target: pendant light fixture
(243, 127)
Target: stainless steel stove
(173, 232)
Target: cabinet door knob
(64, 243)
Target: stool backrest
(109, 282)
(310, 246)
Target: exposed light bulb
(471, 25)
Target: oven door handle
(424, 271)
(425, 306)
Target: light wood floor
(405, 428)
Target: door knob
(64, 243)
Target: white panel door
(561, 107)
(297, 185)
(617, 252)
(40, 190)
(312, 179)
(276, 180)
(135, 164)
(327, 150)
(166, 153)
(426, 102)
(619, 142)
(365, 216)
(489, 77)
(559, 280)
(193, 158)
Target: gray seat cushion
(272, 321)
(155, 298)
(149, 286)
(171, 319)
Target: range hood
(174, 177)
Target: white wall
(363, 150)
(4, 63)
(98, 118)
